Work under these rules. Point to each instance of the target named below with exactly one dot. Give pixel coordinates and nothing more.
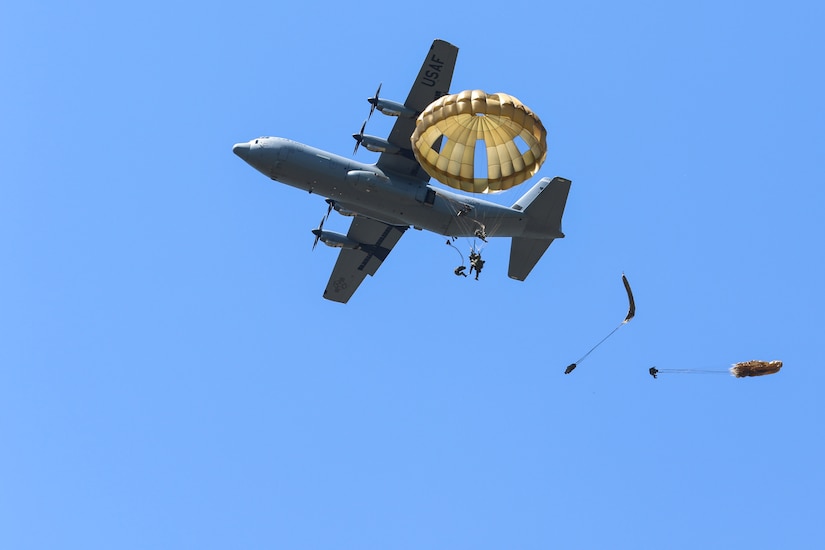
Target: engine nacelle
(393, 108)
(378, 145)
(340, 209)
(344, 211)
(335, 240)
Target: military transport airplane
(388, 197)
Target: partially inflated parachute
(739, 370)
(755, 368)
(514, 140)
(631, 312)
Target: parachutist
(653, 371)
(481, 234)
(570, 368)
(476, 263)
(460, 271)
(474, 256)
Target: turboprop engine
(335, 240)
(389, 107)
(373, 143)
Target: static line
(583, 357)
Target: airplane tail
(544, 205)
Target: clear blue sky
(172, 378)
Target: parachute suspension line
(631, 312)
(691, 371)
(473, 233)
(466, 224)
(583, 357)
(487, 233)
(460, 211)
(460, 255)
(480, 231)
(495, 227)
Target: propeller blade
(359, 137)
(374, 100)
(317, 232)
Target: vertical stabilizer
(544, 205)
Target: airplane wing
(377, 239)
(433, 81)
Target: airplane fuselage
(362, 189)
(393, 194)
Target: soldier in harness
(476, 263)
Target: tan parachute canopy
(471, 116)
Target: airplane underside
(386, 198)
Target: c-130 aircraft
(388, 197)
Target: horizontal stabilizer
(524, 255)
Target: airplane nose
(242, 150)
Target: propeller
(317, 232)
(359, 137)
(374, 100)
